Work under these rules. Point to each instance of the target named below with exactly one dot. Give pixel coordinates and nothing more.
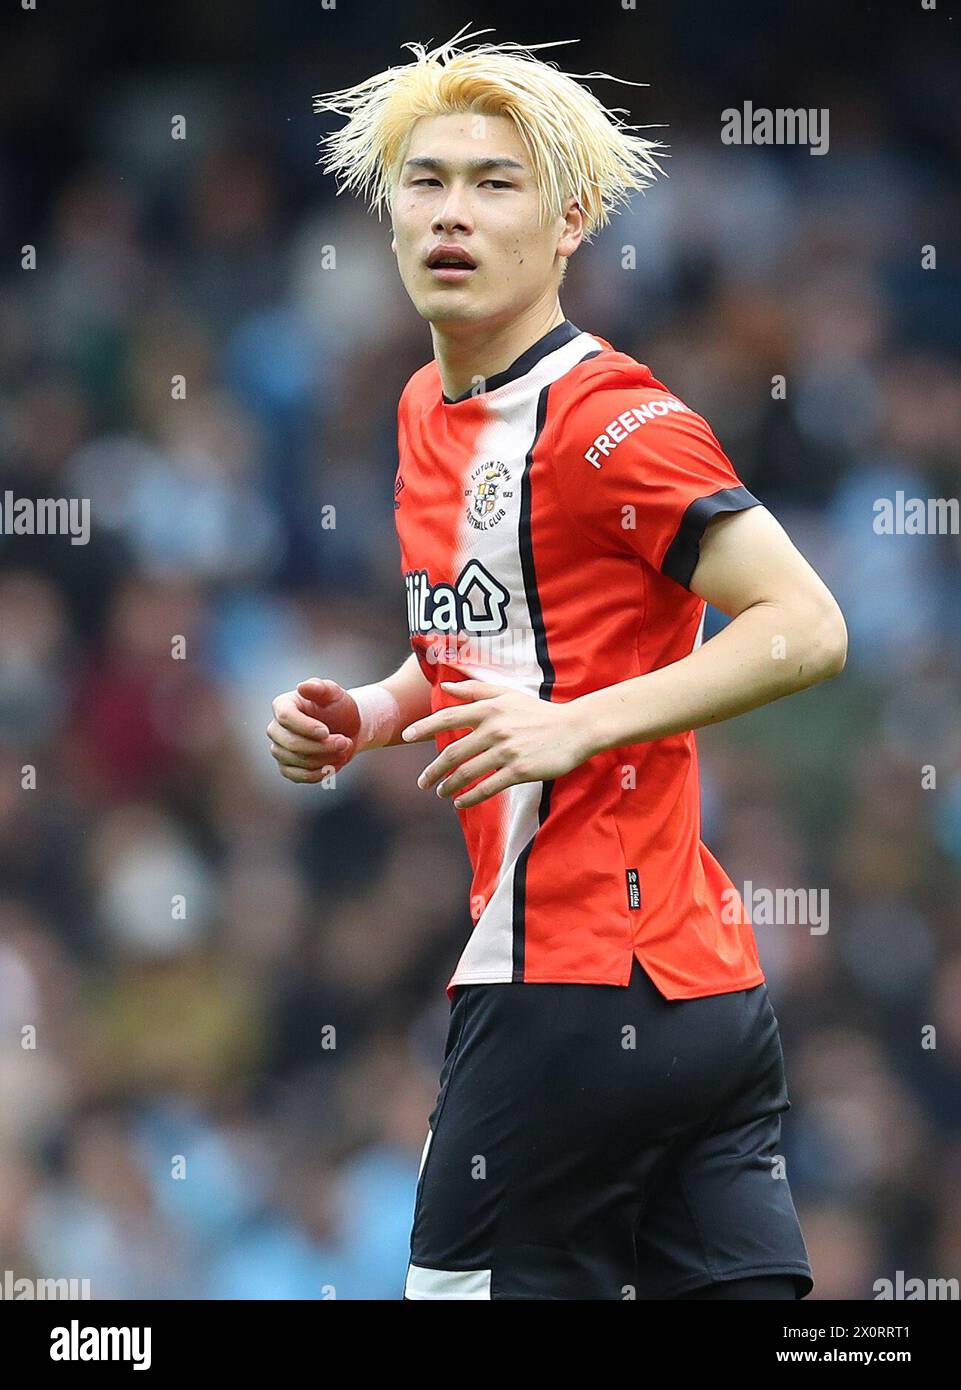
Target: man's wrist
(584, 723)
(610, 717)
(379, 716)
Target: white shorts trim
(447, 1283)
(425, 1151)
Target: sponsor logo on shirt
(474, 603)
(626, 423)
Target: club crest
(488, 491)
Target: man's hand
(313, 730)
(515, 738)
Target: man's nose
(454, 212)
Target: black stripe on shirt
(684, 551)
(555, 338)
(526, 547)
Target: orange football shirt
(549, 527)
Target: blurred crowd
(222, 1007)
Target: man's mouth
(450, 263)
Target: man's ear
(574, 227)
(393, 243)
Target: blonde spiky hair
(577, 147)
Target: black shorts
(601, 1142)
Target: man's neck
(469, 354)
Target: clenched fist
(314, 730)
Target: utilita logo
(454, 607)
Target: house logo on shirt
(476, 603)
(487, 493)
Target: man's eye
(416, 182)
(499, 183)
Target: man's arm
(411, 691)
(787, 633)
(320, 726)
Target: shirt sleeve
(639, 471)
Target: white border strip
(447, 1283)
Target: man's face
(466, 183)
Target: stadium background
(307, 908)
